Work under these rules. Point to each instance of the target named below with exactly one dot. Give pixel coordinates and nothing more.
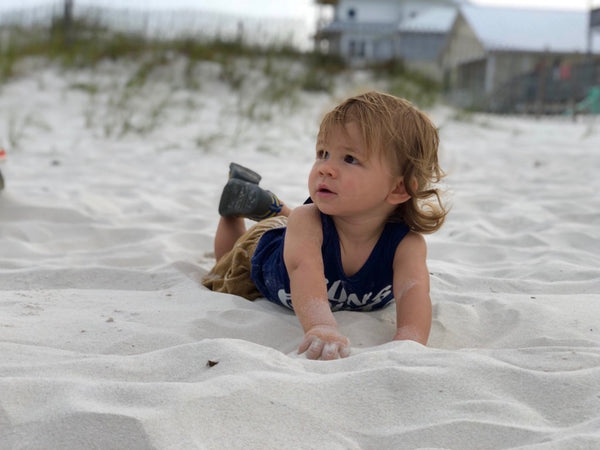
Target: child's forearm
(411, 290)
(309, 298)
(322, 340)
(313, 312)
(413, 315)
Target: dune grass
(85, 42)
(269, 78)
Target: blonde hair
(395, 129)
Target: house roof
(501, 28)
(437, 20)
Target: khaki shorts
(231, 274)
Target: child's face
(345, 181)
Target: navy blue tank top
(368, 289)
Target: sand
(107, 339)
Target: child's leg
(242, 197)
(230, 229)
(228, 232)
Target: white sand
(106, 335)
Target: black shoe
(243, 173)
(246, 199)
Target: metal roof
(438, 20)
(501, 28)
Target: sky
(304, 11)
(301, 9)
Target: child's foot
(246, 199)
(243, 173)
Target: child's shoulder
(308, 211)
(413, 245)
(304, 218)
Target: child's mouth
(323, 190)
(322, 187)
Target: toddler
(356, 244)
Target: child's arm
(411, 290)
(304, 263)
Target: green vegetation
(409, 84)
(84, 41)
(266, 80)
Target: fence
(174, 23)
(551, 90)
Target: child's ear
(399, 194)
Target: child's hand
(324, 342)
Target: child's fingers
(325, 346)
(312, 345)
(305, 344)
(344, 351)
(335, 350)
(331, 350)
(315, 349)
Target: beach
(109, 341)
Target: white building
(368, 31)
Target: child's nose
(326, 168)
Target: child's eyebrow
(355, 150)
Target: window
(356, 49)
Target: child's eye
(322, 154)
(350, 159)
